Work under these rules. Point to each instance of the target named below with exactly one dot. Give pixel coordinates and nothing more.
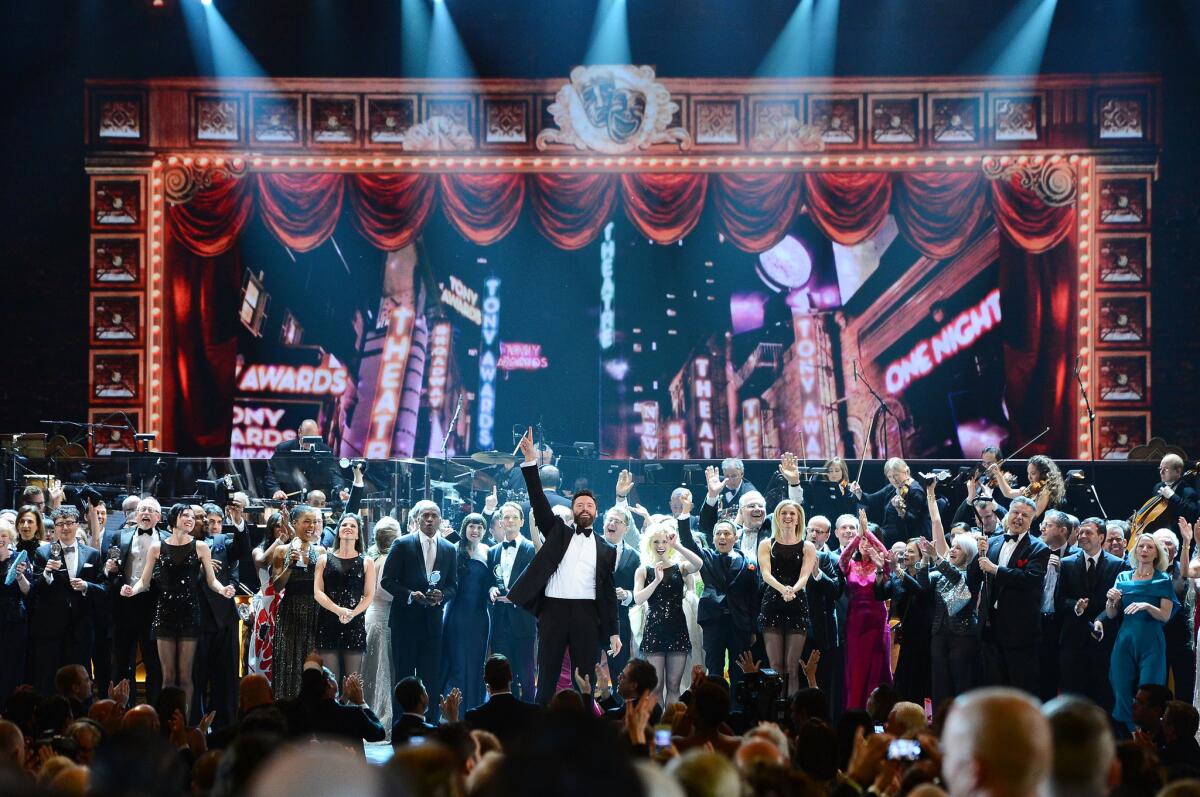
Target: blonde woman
(786, 561)
(377, 664)
(660, 586)
(1146, 597)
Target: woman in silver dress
(377, 664)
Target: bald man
(12, 745)
(996, 743)
(296, 466)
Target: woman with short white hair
(956, 579)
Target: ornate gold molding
(184, 178)
(1053, 179)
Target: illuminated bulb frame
(389, 162)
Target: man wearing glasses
(69, 585)
(1181, 498)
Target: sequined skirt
(295, 638)
(777, 614)
(176, 615)
(666, 628)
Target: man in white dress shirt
(569, 584)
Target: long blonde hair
(649, 532)
(801, 525)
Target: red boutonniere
(752, 567)
(1022, 562)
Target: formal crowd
(774, 650)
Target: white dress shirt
(1006, 550)
(575, 578)
(508, 558)
(139, 549)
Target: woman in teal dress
(1144, 599)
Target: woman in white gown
(377, 663)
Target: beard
(584, 520)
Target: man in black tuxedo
(617, 522)
(1086, 578)
(900, 504)
(215, 667)
(70, 584)
(735, 484)
(295, 466)
(1180, 499)
(728, 610)
(412, 704)
(514, 630)
(1057, 530)
(418, 597)
(568, 586)
(1010, 601)
(317, 712)
(503, 714)
(823, 591)
(132, 617)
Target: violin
(1033, 489)
(1144, 519)
(902, 493)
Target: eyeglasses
(65, 523)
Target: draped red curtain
(938, 213)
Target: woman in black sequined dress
(296, 622)
(177, 565)
(786, 562)
(660, 586)
(344, 586)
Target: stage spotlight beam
(447, 56)
(609, 40)
(217, 49)
(807, 44)
(1018, 44)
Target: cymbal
(448, 468)
(437, 485)
(494, 458)
(482, 480)
(408, 461)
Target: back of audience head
(497, 674)
(816, 750)
(703, 773)
(996, 742)
(411, 696)
(905, 720)
(1084, 750)
(809, 703)
(316, 769)
(880, 702)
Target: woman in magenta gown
(868, 640)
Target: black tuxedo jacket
(732, 591)
(1073, 585)
(1184, 503)
(521, 624)
(505, 716)
(122, 539)
(529, 590)
(896, 527)
(56, 606)
(405, 573)
(823, 594)
(1017, 589)
(407, 726)
(628, 563)
(216, 610)
(289, 469)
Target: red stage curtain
(1027, 221)
(571, 209)
(203, 295)
(483, 207)
(755, 210)
(301, 209)
(940, 212)
(848, 206)
(390, 209)
(664, 207)
(1038, 304)
(210, 223)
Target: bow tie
(585, 532)
(510, 544)
(145, 531)
(1011, 537)
(68, 550)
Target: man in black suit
(503, 714)
(899, 505)
(317, 712)
(728, 610)
(824, 588)
(215, 666)
(1180, 499)
(65, 594)
(1086, 578)
(132, 617)
(514, 630)
(617, 522)
(638, 679)
(735, 484)
(412, 704)
(1010, 601)
(421, 576)
(1058, 528)
(569, 585)
(296, 466)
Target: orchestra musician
(1046, 487)
(837, 473)
(298, 466)
(901, 502)
(1174, 498)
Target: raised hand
(206, 722)
(583, 682)
(1081, 606)
(352, 688)
(624, 483)
(491, 502)
(698, 674)
(810, 667)
(528, 449)
(789, 467)
(747, 663)
(685, 504)
(658, 571)
(450, 704)
(1186, 530)
(715, 481)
